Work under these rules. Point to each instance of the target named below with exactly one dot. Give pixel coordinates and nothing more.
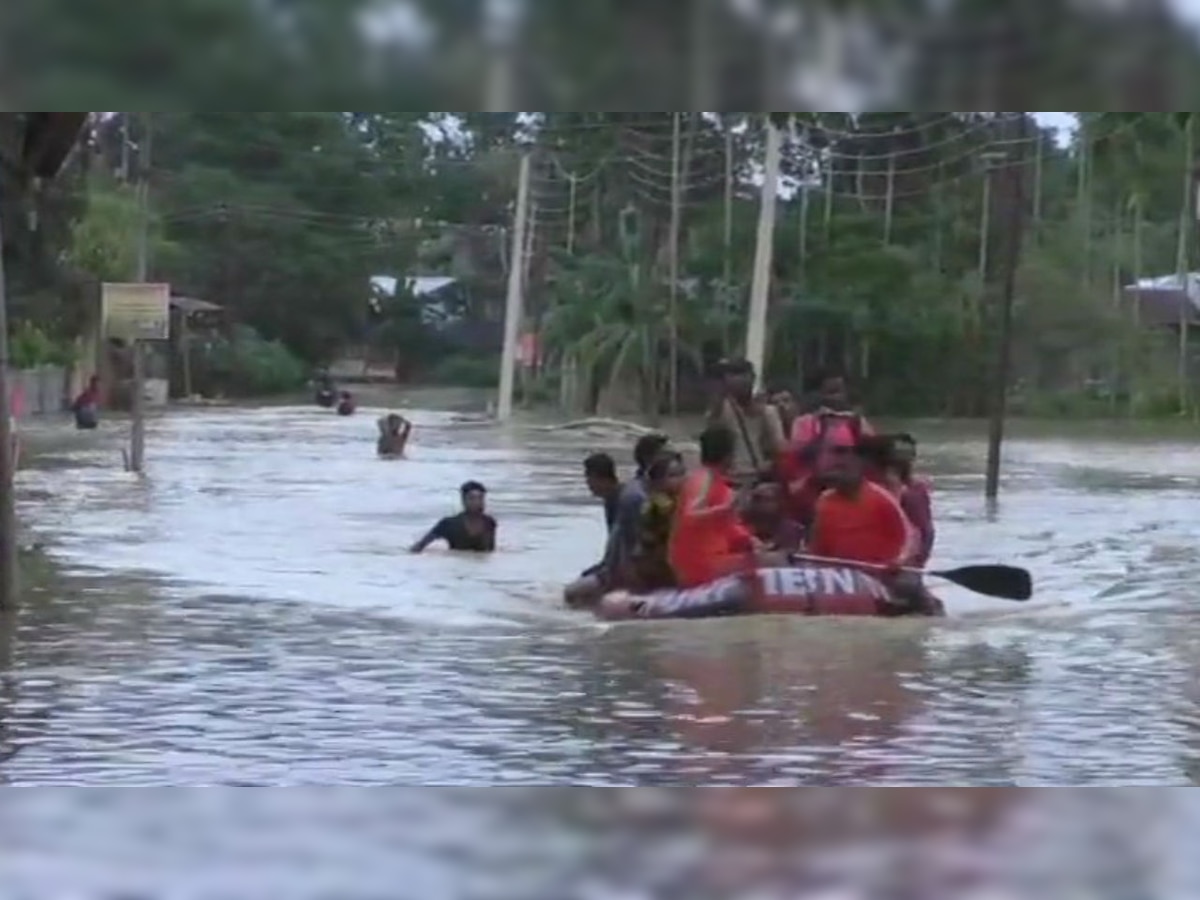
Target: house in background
(1164, 303)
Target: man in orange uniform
(708, 541)
(859, 521)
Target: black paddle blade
(1005, 582)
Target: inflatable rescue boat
(803, 590)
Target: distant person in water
(394, 431)
(346, 404)
(326, 395)
(472, 530)
(86, 406)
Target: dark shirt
(626, 529)
(456, 531)
(611, 505)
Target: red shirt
(869, 528)
(707, 539)
(918, 506)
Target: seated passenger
(816, 436)
(651, 564)
(766, 517)
(394, 431)
(916, 496)
(707, 539)
(856, 520)
(472, 530)
(346, 405)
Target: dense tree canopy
(642, 237)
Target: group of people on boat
(774, 482)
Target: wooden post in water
(137, 436)
(9, 583)
(1014, 227)
(514, 303)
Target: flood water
(246, 615)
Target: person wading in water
(625, 531)
(394, 431)
(600, 474)
(86, 406)
(472, 530)
(754, 422)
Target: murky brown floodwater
(268, 629)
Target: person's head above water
(474, 497)
(717, 446)
(648, 448)
(666, 473)
(600, 472)
(737, 378)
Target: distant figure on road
(346, 404)
(472, 530)
(87, 406)
(394, 430)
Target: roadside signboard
(136, 312)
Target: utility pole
(673, 267)
(514, 301)
(137, 436)
(727, 262)
(1014, 227)
(890, 202)
(756, 330)
(9, 583)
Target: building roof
(419, 285)
(191, 305)
(1163, 306)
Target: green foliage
(249, 366)
(465, 370)
(31, 347)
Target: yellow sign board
(136, 312)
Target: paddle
(1002, 582)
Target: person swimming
(472, 530)
(346, 404)
(86, 406)
(394, 431)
